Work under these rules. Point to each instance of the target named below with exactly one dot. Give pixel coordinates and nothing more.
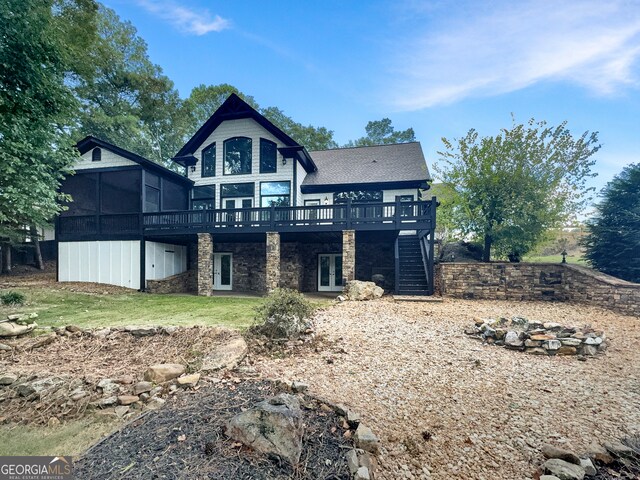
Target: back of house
(252, 210)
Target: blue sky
(441, 67)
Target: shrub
(284, 314)
(12, 298)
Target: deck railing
(357, 216)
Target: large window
(237, 156)
(209, 161)
(120, 191)
(358, 196)
(275, 193)
(203, 198)
(268, 156)
(151, 192)
(237, 190)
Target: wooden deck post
(272, 277)
(205, 264)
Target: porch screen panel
(120, 191)
(174, 196)
(83, 188)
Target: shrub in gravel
(12, 298)
(284, 314)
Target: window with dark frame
(237, 190)
(268, 156)
(203, 198)
(406, 210)
(275, 193)
(96, 155)
(237, 156)
(209, 161)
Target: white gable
(108, 159)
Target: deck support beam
(348, 256)
(272, 276)
(205, 264)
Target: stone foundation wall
(185, 282)
(291, 269)
(537, 281)
(376, 259)
(249, 265)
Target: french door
(330, 272)
(239, 216)
(222, 271)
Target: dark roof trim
(339, 187)
(186, 160)
(233, 108)
(300, 154)
(89, 142)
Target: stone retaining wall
(537, 281)
(185, 282)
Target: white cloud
(185, 19)
(482, 50)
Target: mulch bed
(185, 440)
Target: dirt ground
(447, 407)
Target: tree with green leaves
(382, 132)
(125, 98)
(612, 243)
(512, 188)
(36, 108)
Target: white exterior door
(222, 271)
(330, 272)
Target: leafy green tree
(381, 132)
(36, 108)
(612, 242)
(125, 98)
(313, 138)
(204, 100)
(511, 188)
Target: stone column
(273, 261)
(348, 256)
(205, 264)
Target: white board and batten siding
(115, 262)
(163, 260)
(108, 160)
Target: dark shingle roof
(401, 162)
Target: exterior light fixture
(193, 168)
(326, 200)
(284, 161)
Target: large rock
(358, 290)
(11, 329)
(163, 372)
(513, 340)
(272, 426)
(228, 355)
(564, 470)
(141, 330)
(366, 440)
(551, 451)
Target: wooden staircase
(413, 269)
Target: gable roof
(400, 165)
(90, 142)
(235, 108)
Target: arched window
(209, 161)
(96, 155)
(237, 156)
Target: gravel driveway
(447, 407)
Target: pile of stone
(539, 338)
(562, 464)
(275, 427)
(18, 324)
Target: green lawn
(61, 307)
(70, 438)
